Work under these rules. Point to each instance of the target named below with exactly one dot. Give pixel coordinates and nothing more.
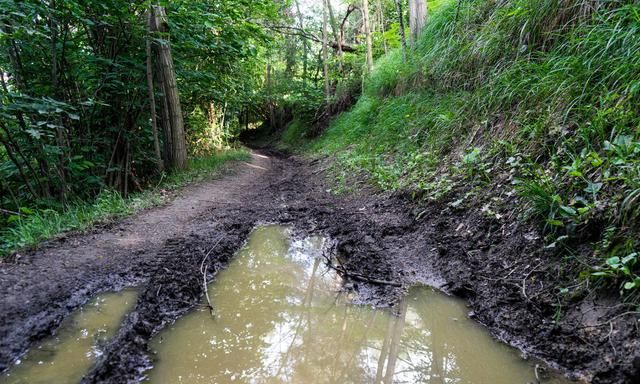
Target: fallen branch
(203, 270)
(610, 320)
(11, 213)
(206, 289)
(361, 277)
(296, 31)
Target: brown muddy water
(281, 317)
(67, 356)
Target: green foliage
(621, 269)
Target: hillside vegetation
(537, 99)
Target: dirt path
(42, 286)
(377, 235)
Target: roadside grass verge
(35, 227)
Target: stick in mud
(358, 276)
(203, 271)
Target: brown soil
(496, 265)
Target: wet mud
(385, 244)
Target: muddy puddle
(280, 317)
(67, 356)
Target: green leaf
(593, 188)
(34, 133)
(575, 173)
(13, 219)
(26, 211)
(583, 210)
(568, 210)
(613, 260)
(632, 257)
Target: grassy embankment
(37, 226)
(539, 99)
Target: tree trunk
(23, 175)
(417, 18)
(367, 34)
(272, 111)
(403, 37)
(380, 13)
(173, 123)
(336, 34)
(152, 98)
(305, 45)
(325, 49)
(60, 134)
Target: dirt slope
(378, 235)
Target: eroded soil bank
(496, 264)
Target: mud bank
(386, 243)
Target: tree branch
(297, 31)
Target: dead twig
(611, 341)
(11, 213)
(610, 320)
(203, 270)
(524, 281)
(362, 278)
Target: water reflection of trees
(337, 344)
(341, 343)
(302, 331)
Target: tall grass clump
(555, 81)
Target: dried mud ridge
(496, 265)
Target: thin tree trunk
(4, 185)
(127, 168)
(380, 12)
(367, 33)
(417, 19)
(152, 98)
(403, 37)
(272, 112)
(14, 160)
(44, 184)
(60, 134)
(305, 46)
(177, 147)
(336, 34)
(325, 49)
(350, 9)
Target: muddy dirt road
(379, 238)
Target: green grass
(544, 94)
(38, 226)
